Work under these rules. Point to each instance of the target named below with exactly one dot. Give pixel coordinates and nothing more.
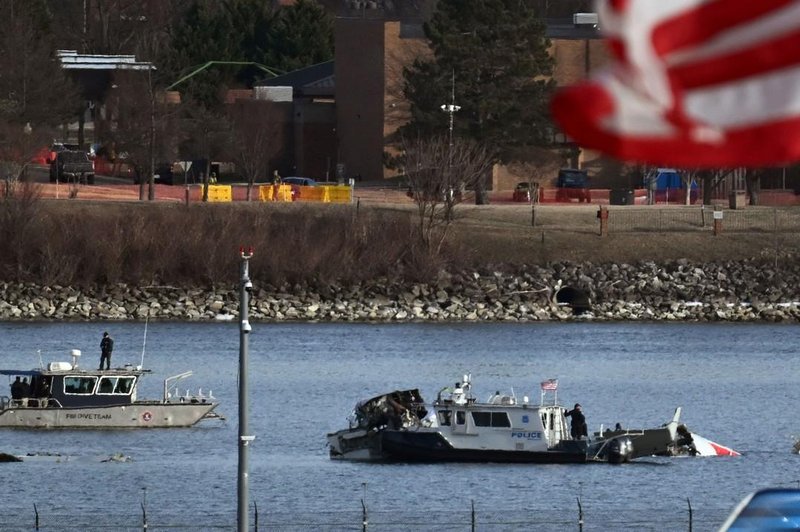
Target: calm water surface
(736, 383)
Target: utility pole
(244, 437)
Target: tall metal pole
(450, 109)
(244, 437)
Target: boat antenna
(144, 340)
(41, 362)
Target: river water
(737, 385)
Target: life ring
(147, 416)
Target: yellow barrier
(265, 192)
(309, 194)
(220, 193)
(324, 194)
(339, 194)
(275, 192)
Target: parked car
(573, 184)
(163, 175)
(522, 192)
(71, 166)
(299, 181)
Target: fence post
(717, 222)
(144, 509)
(533, 214)
(702, 215)
(690, 513)
(36, 513)
(364, 520)
(602, 215)
(775, 229)
(580, 515)
(473, 515)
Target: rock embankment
(680, 291)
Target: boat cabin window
(491, 419)
(461, 417)
(444, 417)
(115, 385)
(79, 385)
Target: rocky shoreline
(674, 291)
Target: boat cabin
(69, 388)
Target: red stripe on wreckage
(721, 450)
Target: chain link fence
(670, 219)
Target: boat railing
(28, 402)
(171, 383)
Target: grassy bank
(73, 243)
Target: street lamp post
(27, 130)
(450, 109)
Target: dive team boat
(63, 395)
(458, 427)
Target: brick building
(371, 52)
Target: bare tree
(35, 95)
(142, 126)
(753, 183)
(205, 136)
(439, 172)
(256, 138)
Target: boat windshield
(115, 385)
(79, 385)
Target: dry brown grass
(82, 242)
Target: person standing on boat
(16, 389)
(106, 347)
(578, 428)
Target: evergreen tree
(491, 58)
(301, 36)
(207, 35)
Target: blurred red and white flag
(693, 83)
(550, 385)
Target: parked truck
(71, 166)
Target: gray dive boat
(65, 396)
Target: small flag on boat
(550, 385)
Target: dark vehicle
(73, 166)
(523, 192)
(573, 184)
(163, 175)
(299, 181)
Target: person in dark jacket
(16, 389)
(578, 428)
(106, 347)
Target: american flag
(693, 83)
(550, 385)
